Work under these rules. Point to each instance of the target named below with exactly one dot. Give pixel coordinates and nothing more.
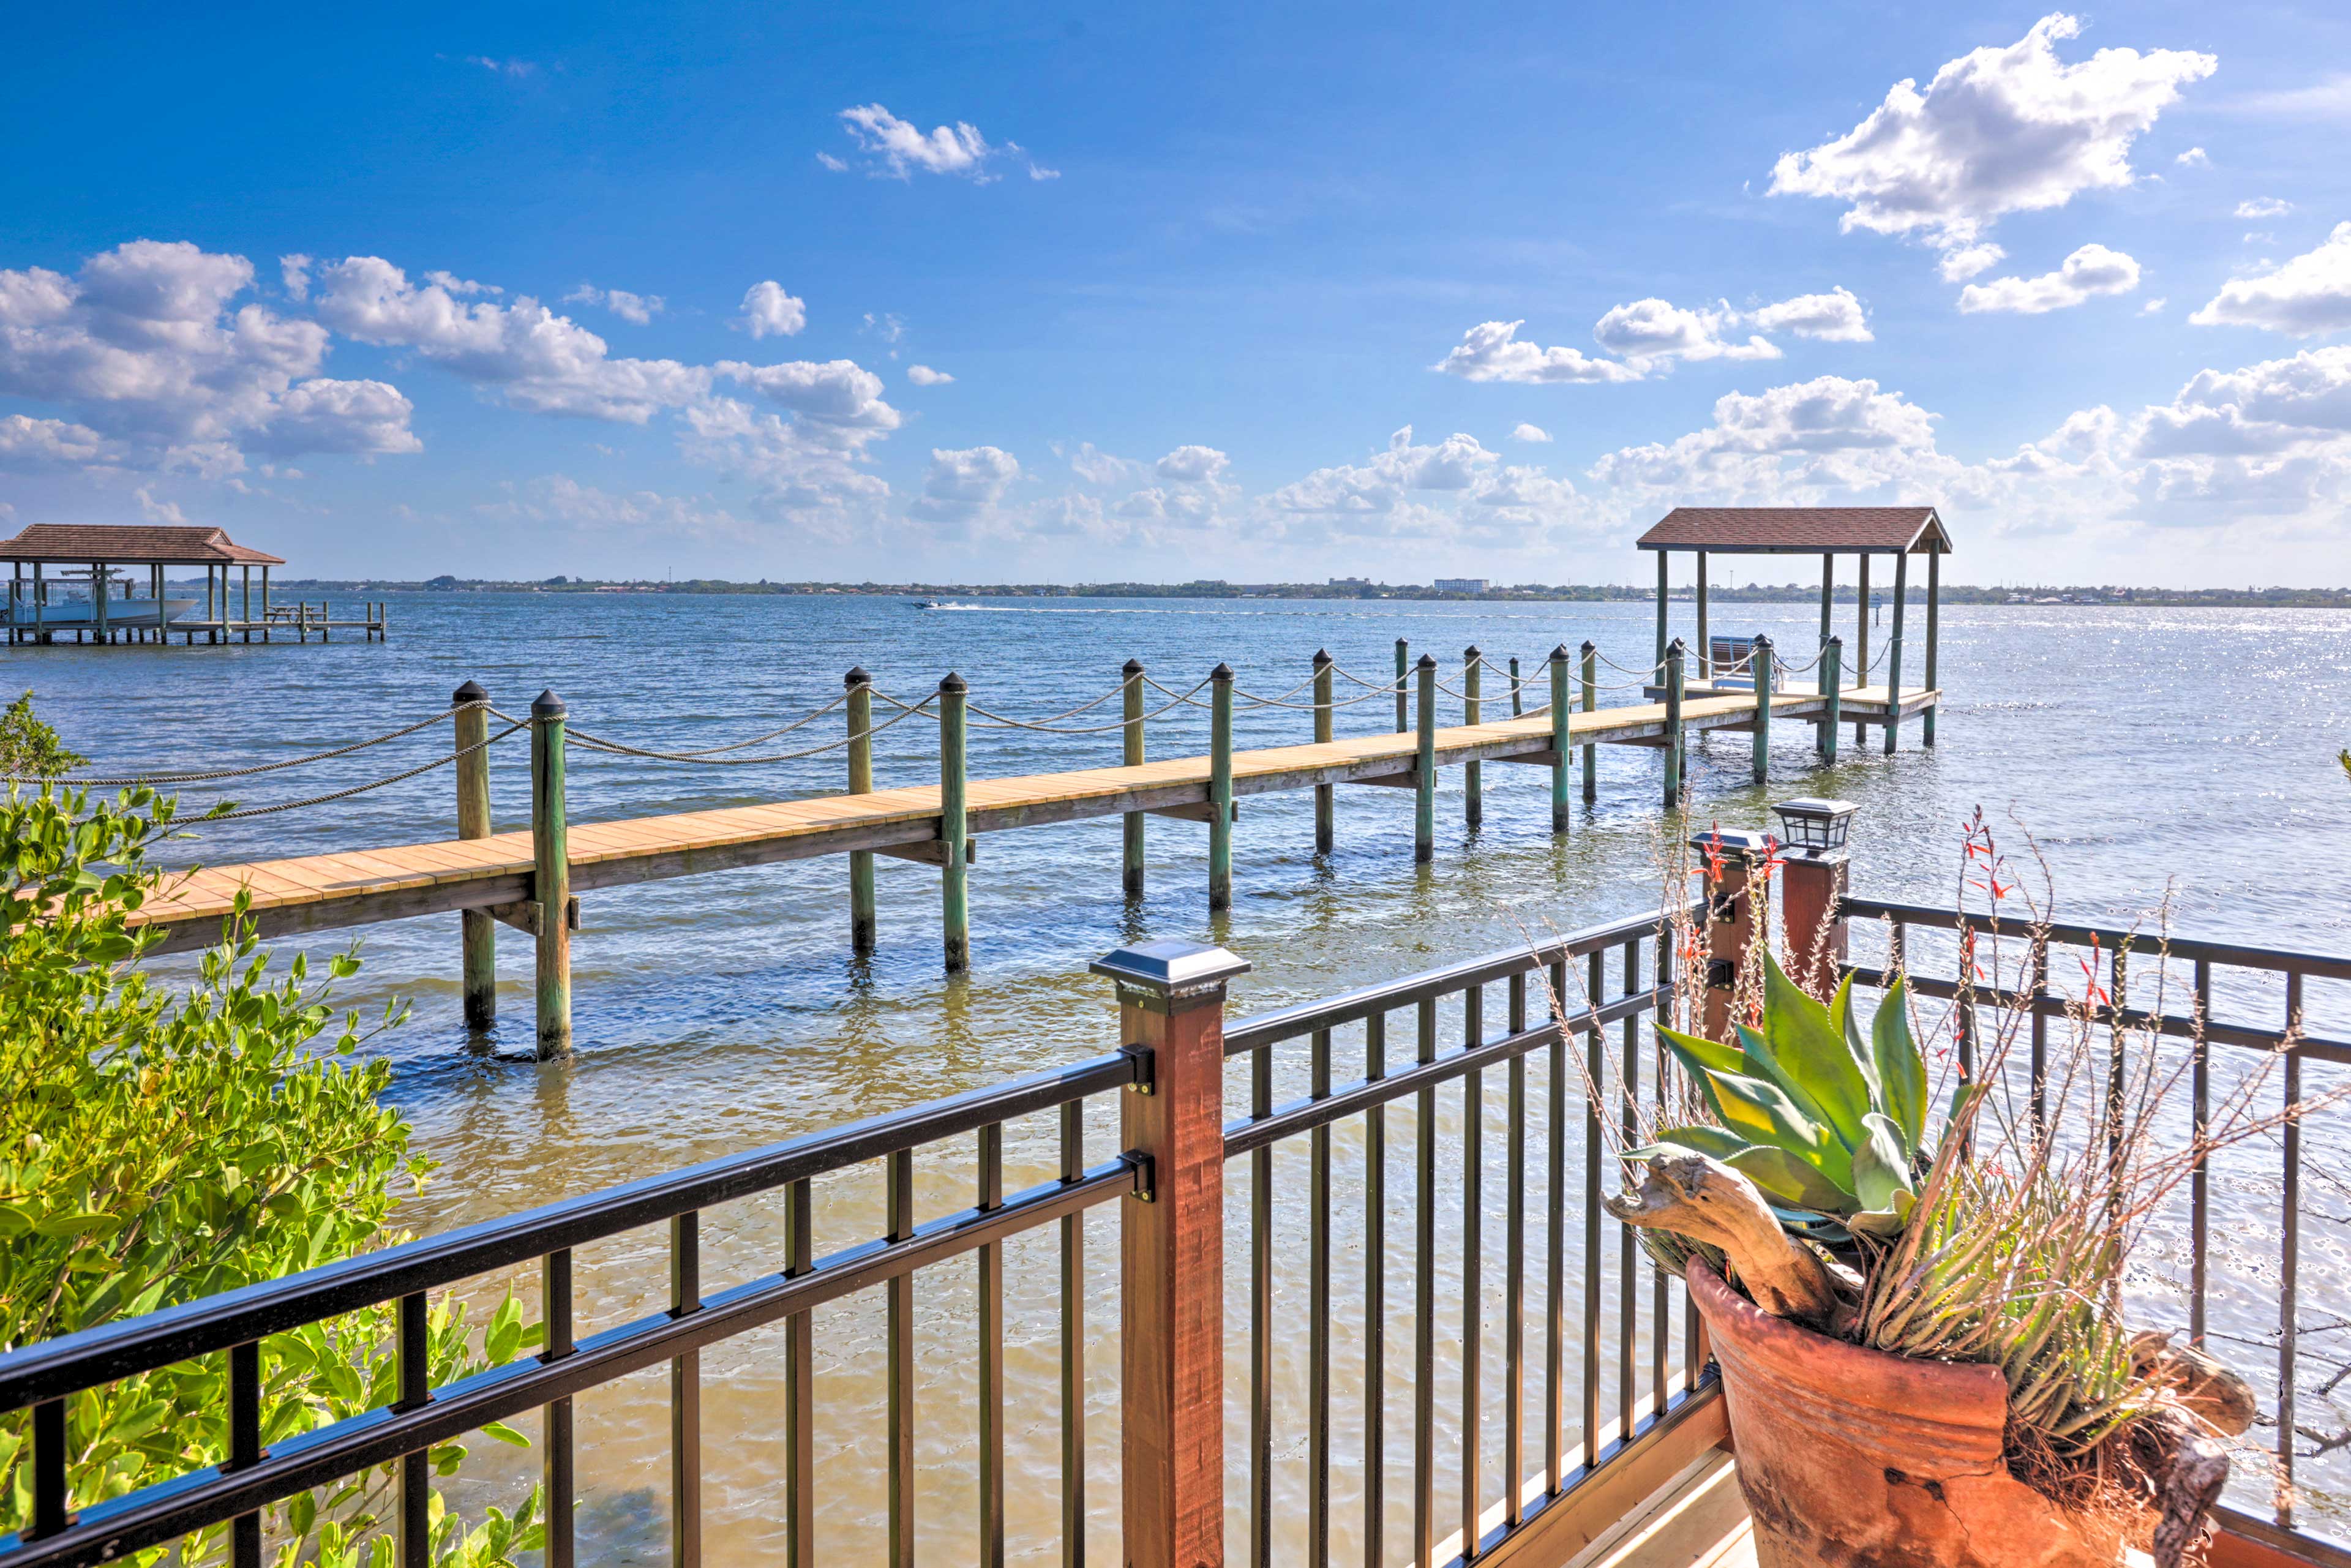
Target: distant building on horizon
(1461, 585)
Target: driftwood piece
(1700, 1197)
(2188, 1480)
(2198, 1384)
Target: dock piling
(1404, 719)
(1894, 655)
(1424, 815)
(954, 912)
(550, 875)
(1221, 787)
(1131, 869)
(1560, 751)
(479, 928)
(1518, 695)
(1861, 649)
(1591, 704)
(1674, 757)
(1934, 603)
(862, 910)
(1833, 688)
(1759, 665)
(1473, 793)
(1325, 801)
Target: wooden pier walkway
(358, 888)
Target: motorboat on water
(76, 614)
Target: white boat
(74, 614)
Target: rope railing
(217, 815)
(1001, 721)
(600, 743)
(206, 777)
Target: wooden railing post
(954, 913)
(1404, 718)
(1517, 699)
(1759, 666)
(1591, 704)
(1812, 903)
(1473, 710)
(1130, 872)
(1673, 655)
(550, 875)
(1559, 748)
(1735, 920)
(1424, 814)
(478, 927)
(861, 912)
(1325, 803)
(1831, 688)
(1171, 996)
(1221, 787)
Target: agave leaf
(1700, 1055)
(1810, 1050)
(1962, 1094)
(1841, 1019)
(1880, 1166)
(1715, 1143)
(1761, 1113)
(1885, 1223)
(1788, 1179)
(1755, 1060)
(1901, 1069)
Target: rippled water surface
(2183, 756)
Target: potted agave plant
(1914, 1306)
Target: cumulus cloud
(1835, 317)
(923, 376)
(1193, 465)
(2194, 158)
(770, 312)
(637, 308)
(33, 445)
(1492, 352)
(1998, 130)
(2264, 207)
(559, 498)
(1789, 443)
(1532, 432)
(464, 288)
(898, 149)
(1651, 330)
(145, 345)
(961, 485)
(1963, 262)
(2090, 271)
(2309, 295)
(294, 271)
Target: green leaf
(1715, 1143)
(1901, 1069)
(1881, 1168)
(1783, 1175)
(87, 1223)
(504, 1434)
(1759, 1113)
(1700, 1055)
(1841, 1019)
(1810, 1051)
(13, 1222)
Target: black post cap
(547, 705)
(953, 683)
(1322, 655)
(1560, 652)
(1762, 641)
(1677, 646)
(857, 676)
(1132, 668)
(1223, 672)
(471, 692)
(1471, 651)
(1590, 647)
(1427, 661)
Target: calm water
(2168, 755)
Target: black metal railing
(45, 1376)
(2104, 955)
(1573, 1449)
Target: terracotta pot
(1851, 1458)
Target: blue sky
(1023, 294)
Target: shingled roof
(1800, 531)
(135, 544)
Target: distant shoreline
(1751, 593)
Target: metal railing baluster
(800, 1388)
(415, 1503)
(2039, 978)
(557, 1477)
(2289, 1256)
(1260, 1390)
(1073, 1346)
(1473, 1247)
(990, 1198)
(1376, 1297)
(685, 1398)
(1424, 1304)
(1555, 1249)
(1596, 1050)
(1318, 1317)
(1514, 1279)
(899, 1333)
(245, 1445)
(2200, 1177)
(51, 1512)
(1628, 1271)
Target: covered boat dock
(120, 573)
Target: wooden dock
(359, 887)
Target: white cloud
(1652, 329)
(961, 485)
(1835, 317)
(770, 312)
(559, 498)
(464, 288)
(29, 445)
(2309, 295)
(637, 308)
(2090, 271)
(155, 511)
(145, 346)
(2326, 99)
(897, 149)
(1998, 130)
(295, 272)
(2194, 158)
(1193, 465)
(1381, 488)
(2154, 306)
(923, 376)
(2264, 207)
(840, 399)
(1531, 433)
(1791, 444)
(1492, 352)
(1095, 467)
(1963, 262)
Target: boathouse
(120, 574)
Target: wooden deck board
(354, 887)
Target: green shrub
(156, 1148)
(29, 748)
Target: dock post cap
(1589, 646)
(1559, 654)
(471, 692)
(1223, 672)
(1322, 655)
(1132, 668)
(1734, 843)
(547, 705)
(1676, 648)
(1471, 651)
(953, 683)
(1427, 661)
(1836, 642)
(1171, 974)
(857, 676)
(1763, 640)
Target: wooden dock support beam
(1404, 718)
(1560, 749)
(1423, 775)
(1934, 617)
(955, 910)
(1894, 655)
(1861, 650)
(1221, 787)
(1473, 792)
(1325, 801)
(1131, 865)
(1705, 639)
(550, 884)
(1833, 688)
(1664, 587)
(862, 910)
(478, 927)
(1591, 704)
(1674, 653)
(1759, 665)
